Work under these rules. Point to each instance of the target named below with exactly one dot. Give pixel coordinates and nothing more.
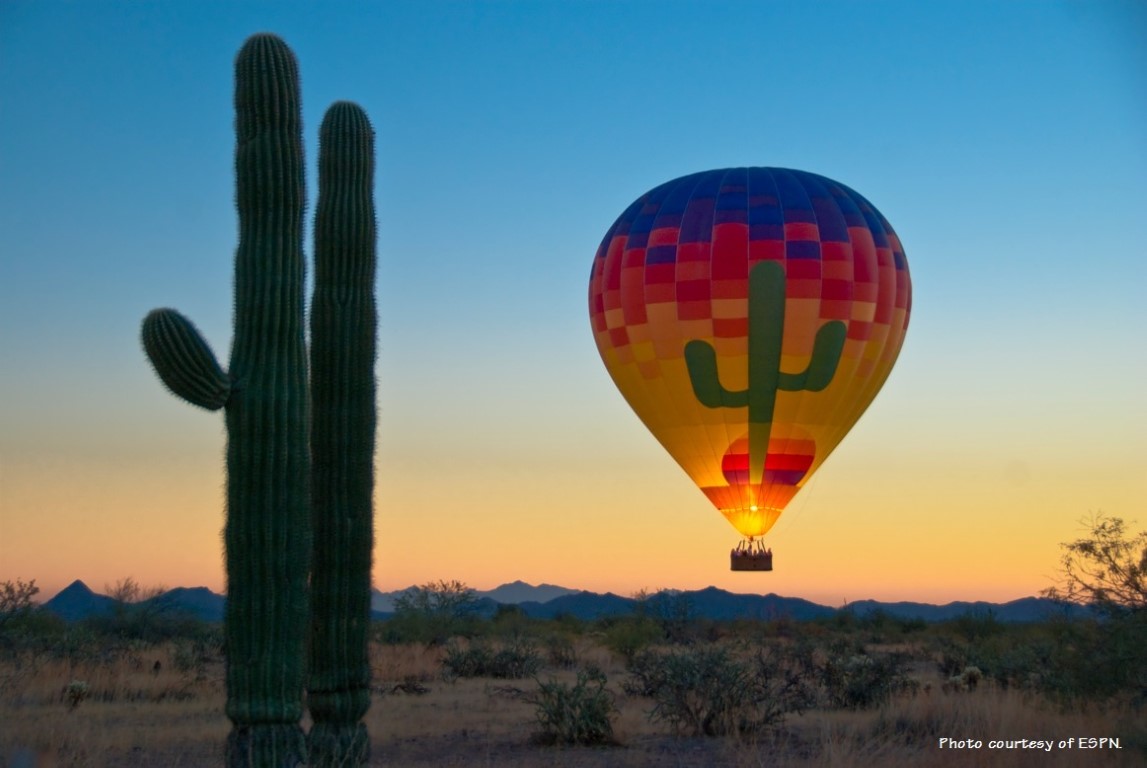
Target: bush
(709, 691)
(1015, 658)
(1107, 569)
(627, 636)
(1105, 572)
(466, 661)
(581, 714)
(514, 661)
(16, 599)
(560, 652)
(1098, 661)
(674, 613)
(191, 655)
(517, 660)
(433, 613)
(75, 692)
(861, 680)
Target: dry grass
(130, 712)
(136, 716)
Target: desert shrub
(31, 636)
(1070, 660)
(951, 657)
(560, 652)
(968, 680)
(140, 615)
(510, 621)
(433, 613)
(516, 660)
(191, 655)
(144, 624)
(711, 691)
(569, 624)
(16, 599)
(578, 714)
(1097, 661)
(862, 680)
(75, 692)
(1018, 665)
(1012, 659)
(466, 661)
(975, 626)
(76, 644)
(1106, 570)
(627, 636)
(673, 612)
(1102, 658)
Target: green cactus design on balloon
(766, 332)
(343, 322)
(268, 534)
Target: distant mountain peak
(77, 587)
(522, 592)
(76, 601)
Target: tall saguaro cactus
(267, 536)
(766, 332)
(342, 438)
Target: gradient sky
(1005, 142)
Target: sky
(1005, 142)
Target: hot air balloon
(749, 316)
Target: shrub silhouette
(578, 714)
(709, 690)
(516, 660)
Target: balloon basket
(749, 556)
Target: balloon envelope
(749, 316)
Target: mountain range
(546, 601)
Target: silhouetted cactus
(342, 438)
(766, 332)
(267, 536)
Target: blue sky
(1006, 143)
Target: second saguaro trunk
(343, 320)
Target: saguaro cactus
(267, 536)
(766, 332)
(342, 438)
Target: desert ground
(144, 705)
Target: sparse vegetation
(581, 713)
(793, 690)
(513, 661)
(850, 689)
(75, 692)
(853, 678)
(433, 613)
(16, 599)
(1106, 569)
(712, 690)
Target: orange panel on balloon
(749, 316)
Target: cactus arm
(826, 351)
(343, 415)
(701, 361)
(183, 360)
